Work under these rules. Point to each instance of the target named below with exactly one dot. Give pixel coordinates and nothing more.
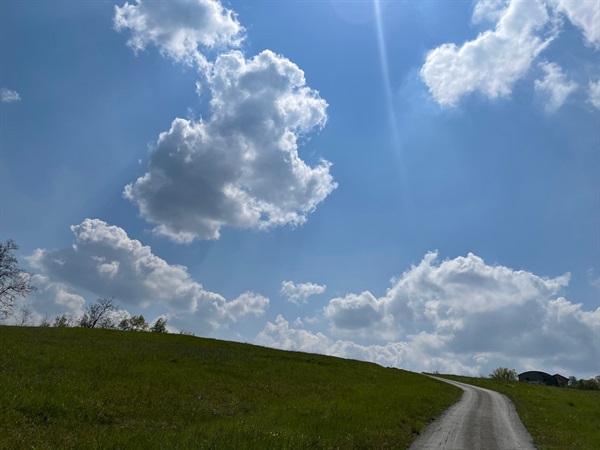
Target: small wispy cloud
(9, 96)
(593, 279)
(594, 93)
(299, 293)
(554, 86)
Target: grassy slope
(83, 388)
(556, 418)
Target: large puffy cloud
(104, 261)
(554, 85)
(179, 29)
(459, 315)
(241, 167)
(496, 59)
(492, 62)
(299, 293)
(442, 296)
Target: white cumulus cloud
(584, 14)
(554, 85)
(279, 334)
(180, 29)
(245, 304)
(241, 167)
(458, 315)
(489, 10)
(104, 261)
(9, 95)
(434, 297)
(494, 61)
(54, 298)
(299, 293)
(358, 314)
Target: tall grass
(556, 418)
(81, 388)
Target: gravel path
(482, 419)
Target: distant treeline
(103, 313)
(586, 385)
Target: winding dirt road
(482, 419)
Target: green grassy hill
(556, 418)
(82, 388)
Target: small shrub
(504, 374)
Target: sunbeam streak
(391, 111)
(383, 59)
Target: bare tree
(23, 316)
(98, 313)
(14, 282)
(45, 322)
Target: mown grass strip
(81, 388)
(556, 418)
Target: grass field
(556, 418)
(82, 388)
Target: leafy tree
(97, 314)
(135, 323)
(14, 282)
(504, 374)
(107, 323)
(160, 326)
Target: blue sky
(418, 187)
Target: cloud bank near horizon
(460, 315)
(105, 262)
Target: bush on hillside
(504, 374)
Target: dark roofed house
(562, 381)
(543, 378)
(537, 377)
